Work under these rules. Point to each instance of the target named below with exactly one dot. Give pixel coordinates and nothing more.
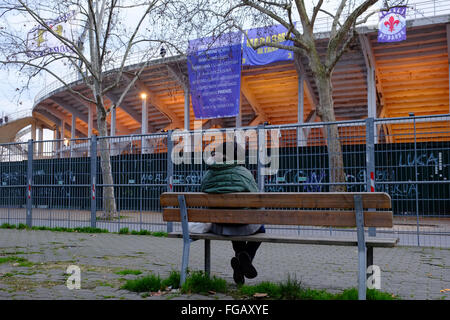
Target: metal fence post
(370, 162)
(416, 175)
(93, 155)
(260, 177)
(169, 171)
(29, 218)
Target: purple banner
(265, 55)
(214, 68)
(392, 25)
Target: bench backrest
(331, 209)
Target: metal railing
(52, 184)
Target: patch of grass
(199, 282)
(22, 226)
(126, 271)
(90, 230)
(172, 281)
(159, 234)
(145, 284)
(6, 275)
(371, 294)
(82, 230)
(143, 232)
(8, 226)
(100, 283)
(22, 262)
(293, 290)
(11, 259)
(26, 264)
(14, 253)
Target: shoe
(238, 277)
(247, 268)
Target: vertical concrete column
(33, 136)
(73, 127)
(187, 103)
(62, 137)
(239, 116)
(301, 141)
(73, 131)
(41, 138)
(55, 142)
(144, 122)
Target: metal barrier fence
(60, 183)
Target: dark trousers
(248, 246)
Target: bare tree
(345, 19)
(111, 31)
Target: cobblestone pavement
(409, 272)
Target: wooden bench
(325, 209)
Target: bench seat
(274, 238)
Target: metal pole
(370, 162)
(260, 177)
(29, 218)
(416, 175)
(362, 263)
(93, 180)
(169, 172)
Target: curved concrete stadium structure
(408, 76)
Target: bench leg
(207, 257)
(369, 256)
(186, 239)
(184, 261)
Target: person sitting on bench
(225, 175)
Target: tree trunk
(326, 112)
(109, 200)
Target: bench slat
(321, 200)
(282, 217)
(382, 219)
(264, 237)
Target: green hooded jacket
(228, 178)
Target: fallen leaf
(156, 293)
(260, 295)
